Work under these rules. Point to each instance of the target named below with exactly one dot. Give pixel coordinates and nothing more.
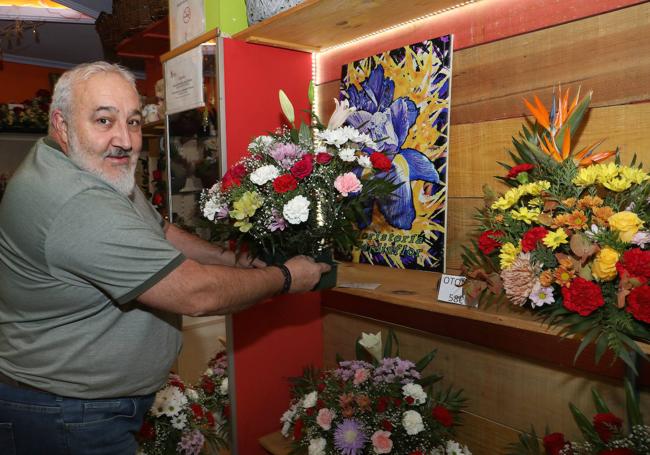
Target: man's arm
(204, 252)
(196, 289)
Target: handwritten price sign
(450, 289)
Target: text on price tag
(451, 289)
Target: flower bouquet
(604, 434)
(378, 405)
(567, 240)
(300, 190)
(29, 116)
(186, 419)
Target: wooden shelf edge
(276, 444)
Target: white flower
(260, 142)
(168, 401)
(341, 114)
(317, 446)
(372, 343)
(192, 394)
(210, 209)
(179, 421)
(264, 174)
(414, 391)
(287, 418)
(223, 388)
(454, 448)
(296, 211)
(412, 422)
(309, 401)
(347, 154)
(364, 161)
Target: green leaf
(583, 424)
(287, 107)
(601, 347)
(426, 360)
(310, 92)
(599, 403)
(428, 380)
(632, 404)
(305, 133)
(591, 335)
(574, 120)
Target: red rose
(210, 418)
(157, 199)
(229, 180)
(386, 425)
(320, 404)
(531, 237)
(637, 262)
(516, 170)
(207, 385)
(147, 431)
(619, 451)
(197, 410)
(606, 424)
(410, 400)
(487, 242)
(638, 303)
(177, 383)
(321, 386)
(380, 161)
(382, 404)
(553, 443)
(442, 415)
(397, 402)
(156, 175)
(582, 297)
(323, 158)
(297, 430)
(238, 171)
(285, 183)
(303, 168)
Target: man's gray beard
(124, 184)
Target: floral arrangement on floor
(29, 116)
(300, 190)
(376, 404)
(568, 240)
(603, 435)
(185, 419)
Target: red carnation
(303, 168)
(531, 237)
(320, 404)
(582, 297)
(386, 425)
(382, 404)
(207, 385)
(147, 431)
(285, 183)
(442, 415)
(487, 242)
(618, 451)
(210, 418)
(606, 424)
(553, 443)
(177, 383)
(397, 402)
(197, 410)
(229, 180)
(380, 161)
(157, 199)
(321, 386)
(638, 303)
(238, 171)
(516, 170)
(297, 430)
(410, 400)
(637, 263)
(323, 158)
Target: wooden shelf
(153, 129)
(418, 290)
(276, 444)
(149, 43)
(319, 24)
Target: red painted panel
(471, 25)
(275, 339)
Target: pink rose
(360, 376)
(381, 442)
(347, 183)
(324, 418)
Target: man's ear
(60, 129)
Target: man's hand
(305, 273)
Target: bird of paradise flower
(402, 101)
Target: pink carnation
(324, 418)
(381, 442)
(360, 376)
(347, 183)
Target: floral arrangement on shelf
(185, 419)
(28, 116)
(376, 404)
(603, 435)
(568, 240)
(300, 190)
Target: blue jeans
(38, 423)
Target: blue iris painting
(402, 100)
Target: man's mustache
(117, 153)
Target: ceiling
(63, 44)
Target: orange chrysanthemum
(589, 202)
(563, 276)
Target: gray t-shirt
(74, 253)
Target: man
(90, 276)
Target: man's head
(95, 116)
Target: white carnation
(317, 446)
(192, 394)
(287, 418)
(454, 448)
(336, 137)
(168, 401)
(296, 211)
(416, 392)
(412, 422)
(364, 161)
(223, 389)
(264, 174)
(210, 209)
(260, 142)
(309, 401)
(347, 154)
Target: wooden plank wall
(609, 54)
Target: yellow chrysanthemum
(618, 184)
(508, 254)
(525, 215)
(634, 175)
(606, 172)
(555, 238)
(536, 188)
(510, 198)
(536, 202)
(586, 176)
(244, 225)
(246, 205)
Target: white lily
(372, 343)
(341, 114)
